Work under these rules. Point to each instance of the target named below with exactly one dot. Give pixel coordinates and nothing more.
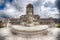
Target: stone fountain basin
(28, 30)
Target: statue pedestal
(29, 24)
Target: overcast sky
(16, 8)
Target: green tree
(1, 25)
(58, 26)
(0, 22)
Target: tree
(58, 26)
(0, 24)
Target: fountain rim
(27, 29)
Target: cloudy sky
(16, 8)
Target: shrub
(58, 26)
(0, 22)
(1, 25)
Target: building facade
(30, 17)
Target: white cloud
(18, 8)
(48, 12)
(53, 1)
(9, 11)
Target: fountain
(30, 29)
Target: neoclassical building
(30, 17)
